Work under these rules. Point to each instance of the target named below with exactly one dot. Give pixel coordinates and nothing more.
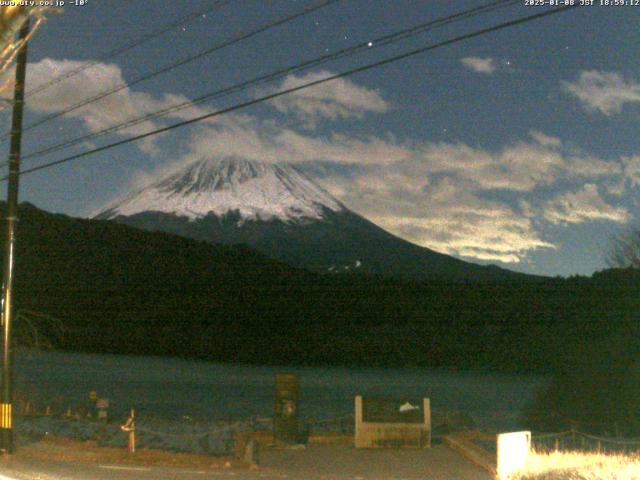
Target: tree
(38, 330)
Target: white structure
(513, 451)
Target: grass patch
(580, 466)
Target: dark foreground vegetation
(116, 289)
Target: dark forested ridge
(338, 242)
(122, 290)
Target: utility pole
(6, 393)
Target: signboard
(393, 422)
(392, 410)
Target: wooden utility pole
(6, 391)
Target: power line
(171, 66)
(281, 93)
(128, 46)
(349, 51)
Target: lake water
(171, 389)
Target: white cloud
(339, 98)
(582, 206)
(119, 107)
(447, 217)
(616, 186)
(631, 167)
(247, 137)
(545, 140)
(606, 92)
(480, 65)
(519, 167)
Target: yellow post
(132, 441)
(130, 426)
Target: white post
(426, 408)
(358, 428)
(513, 450)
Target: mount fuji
(281, 212)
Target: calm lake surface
(171, 389)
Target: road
(314, 463)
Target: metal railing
(575, 440)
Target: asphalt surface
(48, 470)
(317, 462)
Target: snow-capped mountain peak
(219, 186)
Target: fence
(216, 438)
(211, 438)
(342, 424)
(575, 440)
(614, 428)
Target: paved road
(47, 470)
(315, 463)
(340, 462)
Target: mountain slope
(284, 214)
(255, 190)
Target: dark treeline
(122, 290)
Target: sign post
(285, 420)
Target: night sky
(518, 147)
